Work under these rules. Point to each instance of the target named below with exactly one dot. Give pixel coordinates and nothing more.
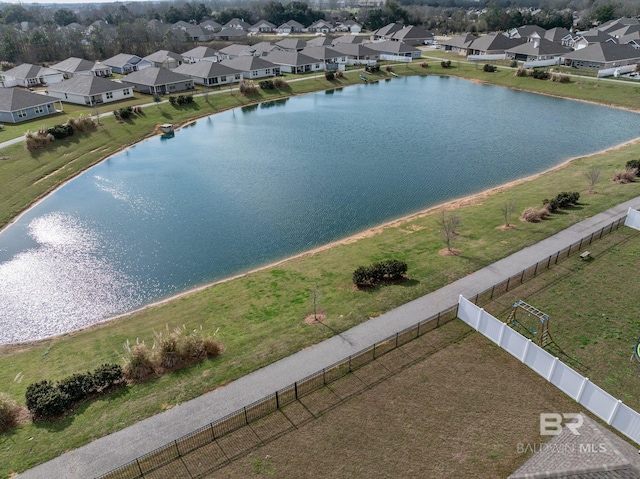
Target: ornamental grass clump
(280, 83)
(82, 123)
(139, 363)
(530, 215)
(9, 412)
(627, 175)
(35, 140)
(248, 88)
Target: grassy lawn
(593, 310)
(260, 316)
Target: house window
(267, 71)
(109, 95)
(223, 79)
(237, 76)
(254, 73)
(39, 109)
(172, 87)
(317, 66)
(125, 92)
(213, 81)
(22, 113)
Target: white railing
(579, 388)
(395, 58)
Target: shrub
(168, 348)
(280, 83)
(530, 215)
(391, 270)
(82, 123)
(631, 164)
(184, 99)
(540, 74)
(523, 72)
(372, 69)
(446, 64)
(36, 140)
(489, 68)
(627, 175)
(329, 76)
(77, 387)
(389, 68)
(9, 412)
(513, 63)
(267, 85)
(172, 100)
(108, 376)
(61, 131)
(424, 65)
(248, 88)
(339, 74)
(560, 78)
(123, 113)
(44, 400)
(138, 362)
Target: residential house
(262, 26)
(294, 62)
(164, 59)
(584, 39)
(263, 48)
(79, 66)
(389, 49)
(236, 50)
(557, 34)
(28, 76)
(331, 58)
(196, 33)
(229, 34)
(211, 25)
(180, 25)
(198, 54)
(321, 26)
(18, 105)
(90, 90)
(493, 44)
(124, 63)
(321, 41)
(252, 67)
(291, 44)
(459, 44)
(290, 27)
(632, 39)
(624, 31)
(209, 73)
(540, 49)
(237, 24)
(530, 32)
(348, 39)
(358, 53)
(412, 35)
(158, 81)
(349, 26)
(386, 32)
(600, 56)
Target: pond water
(250, 186)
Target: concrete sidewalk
(110, 452)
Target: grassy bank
(260, 316)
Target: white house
(90, 90)
(28, 75)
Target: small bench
(585, 254)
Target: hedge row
(562, 200)
(377, 273)
(181, 100)
(47, 400)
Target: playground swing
(541, 337)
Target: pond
(250, 186)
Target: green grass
(593, 310)
(260, 316)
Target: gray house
(158, 81)
(79, 66)
(252, 67)
(537, 50)
(90, 90)
(124, 63)
(599, 56)
(164, 59)
(294, 62)
(389, 48)
(28, 75)
(18, 105)
(209, 73)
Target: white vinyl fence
(487, 58)
(542, 63)
(633, 219)
(615, 71)
(395, 58)
(593, 398)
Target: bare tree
(448, 225)
(592, 175)
(508, 208)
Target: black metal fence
(211, 435)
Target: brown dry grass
(459, 413)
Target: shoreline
(453, 204)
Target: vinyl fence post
(139, 467)
(278, 399)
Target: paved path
(107, 453)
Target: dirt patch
(449, 252)
(317, 318)
(506, 227)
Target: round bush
(9, 412)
